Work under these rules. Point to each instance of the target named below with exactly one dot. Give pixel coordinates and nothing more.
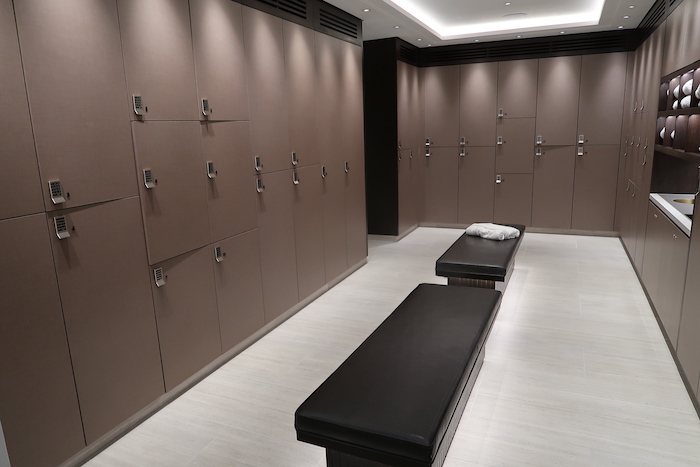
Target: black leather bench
(478, 262)
(397, 400)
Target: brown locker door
(19, 174)
(267, 89)
(476, 187)
(231, 201)
(219, 56)
(688, 349)
(513, 199)
(595, 184)
(277, 246)
(239, 288)
(328, 96)
(408, 190)
(77, 100)
(103, 278)
(553, 188)
(40, 414)
(403, 105)
(674, 257)
(516, 152)
(602, 97)
(442, 105)
(441, 186)
(334, 228)
(175, 206)
(158, 57)
(558, 88)
(186, 311)
(478, 103)
(517, 88)
(301, 81)
(308, 230)
(652, 252)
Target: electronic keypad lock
(211, 171)
(206, 110)
(139, 108)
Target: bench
(478, 262)
(397, 400)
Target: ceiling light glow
(366, 10)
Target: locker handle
(219, 254)
(581, 139)
(646, 143)
(639, 141)
(295, 159)
(634, 191)
(462, 152)
(644, 162)
(463, 141)
(211, 171)
(399, 155)
(61, 226)
(500, 113)
(259, 187)
(427, 142)
(159, 277)
(580, 151)
(206, 110)
(628, 186)
(139, 108)
(347, 167)
(538, 151)
(295, 178)
(656, 216)
(427, 152)
(500, 140)
(258, 163)
(56, 192)
(399, 144)
(324, 174)
(641, 109)
(539, 140)
(410, 154)
(148, 179)
(635, 107)
(499, 179)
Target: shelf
(675, 113)
(688, 156)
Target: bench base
(482, 283)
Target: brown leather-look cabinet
(441, 186)
(76, 92)
(442, 105)
(595, 180)
(112, 334)
(559, 82)
(603, 91)
(515, 145)
(408, 189)
(40, 413)
(688, 350)
(553, 187)
(517, 88)
(411, 145)
(476, 184)
(513, 199)
(478, 94)
(19, 172)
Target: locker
(231, 202)
(159, 60)
(442, 105)
(239, 291)
(478, 100)
(219, 56)
(594, 188)
(513, 199)
(517, 88)
(408, 190)
(186, 313)
(277, 244)
(441, 189)
(603, 94)
(112, 334)
(301, 90)
(19, 174)
(553, 188)
(175, 205)
(76, 89)
(267, 89)
(40, 404)
(408, 107)
(334, 218)
(559, 83)
(476, 187)
(515, 145)
(308, 230)
(328, 95)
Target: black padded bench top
(478, 258)
(393, 399)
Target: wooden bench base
(483, 283)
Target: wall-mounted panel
(559, 82)
(40, 404)
(513, 199)
(239, 288)
(515, 145)
(230, 200)
(76, 92)
(594, 188)
(103, 278)
(174, 201)
(19, 173)
(219, 55)
(517, 88)
(441, 186)
(476, 186)
(603, 94)
(159, 60)
(442, 105)
(553, 188)
(478, 96)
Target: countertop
(677, 212)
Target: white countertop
(677, 212)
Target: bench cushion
(478, 258)
(396, 393)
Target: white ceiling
(426, 23)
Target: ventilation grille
(655, 15)
(293, 7)
(338, 24)
(673, 2)
(408, 53)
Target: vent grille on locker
(293, 7)
(338, 24)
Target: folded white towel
(676, 91)
(685, 102)
(492, 231)
(688, 87)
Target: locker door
(441, 189)
(175, 205)
(442, 105)
(513, 199)
(219, 56)
(186, 312)
(334, 228)
(267, 89)
(553, 188)
(404, 112)
(20, 187)
(558, 88)
(408, 190)
(301, 81)
(478, 103)
(40, 404)
(594, 188)
(112, 334)
(516, 152)
(76, 89)
(239, 288)
(476, 187)
(308, 230)
(231, 201)
(158, 57)
(517, 88)
(603, 94)
(277, 246)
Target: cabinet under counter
(678, 207)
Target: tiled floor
(576, 372)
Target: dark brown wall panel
(559, 82)
(219, 55)
(517, 88)
(602, 97)
(19, 173)
(513, 199)
(158, 57)
(688, 343)
(308, 230)
(76, 91)
(40, 414)
(442, 105)
(103, 278)
(441, 189)
(553, 188)
(594, 188)
(478, 102)
(476, 185)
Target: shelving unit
(678, 118)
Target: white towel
(688, 87)
(492, 231)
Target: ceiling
(429, 23)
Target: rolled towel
(673, 134)
(492, 231)
(677, 91)
(685, 102)
(662, 133)
(675, 105)
(688, 87)
(697, 92)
